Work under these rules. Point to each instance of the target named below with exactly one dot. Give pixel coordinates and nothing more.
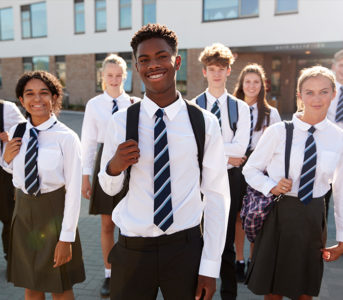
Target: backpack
(256, 206)
(1, 122)
(198, 125)
(232, 108)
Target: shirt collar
(254, 106)
(44, 126)
(171, 110)
(211, 99)
(305, 126)
(338, 87)
(122, 96)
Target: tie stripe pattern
(339, 110)
(308, 170)
(216, 111)
(251, 127)
(31, 168)
(115, 106)
(163, 211)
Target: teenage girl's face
(251, 86)
(37, 100)
(316, 94)
(113, 76)
(337, 67)
(216, 75)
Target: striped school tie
(31, 168)
(308, 170)
(163, 211)
(216, 111)
(339, 110)
(115, 106)
(251, 127)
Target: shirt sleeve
(13, 115)
(89, 140)
(259, 160)
(274, 116)
(337, 190)
(71, 150)
(8, 167)
(111, 184)
(216, 191)
(239, 144)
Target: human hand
(4, 136)
(86, 189)
(63, 253)
(206, 286)
(332, 253)
(237, 161)
(126, 155)
(12, 149)
(284, 186)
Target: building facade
(70, 38)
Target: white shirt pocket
(49, 159)
(327, 162)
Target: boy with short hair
(160, 243)
(234, 117)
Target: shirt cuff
(268, 186)
(67, 236)
(7, 167)
(209, 268)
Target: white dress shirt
(274, 118)
(134, 214)
(59, 164)
(269, 155)
(12, 116)
(333, 106)
(98, 111)
(234, 145)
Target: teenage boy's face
(216, 75)
(338, 69)
(157, 65)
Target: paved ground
(89, 227)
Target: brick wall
(12, 68)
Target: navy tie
(251, 127)
(308, 170)
(216, 111)
(31, 168)
(115, 106)
(163, 211)
(339, 110)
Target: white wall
(317, 21)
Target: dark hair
(151, 31)
(49, 80)
(262, 104)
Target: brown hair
(216, 54)
(262, 104)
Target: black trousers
(327, 202)
(228, 290)
(142, 265)
(6, 207)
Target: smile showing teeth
(155, 76)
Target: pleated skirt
(287, 259)
(100, 202)
(36, 226)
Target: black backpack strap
(20, 130)
(197, 120)
(201, 100)
(232, 110)
(1, 115)
(289, 137)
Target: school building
(70, 38)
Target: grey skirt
(287, 259)
(100, 202)
(36, 226)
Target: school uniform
(145, 256)
(98, 111)
(287, 259)
(10, 117)
(40, 221)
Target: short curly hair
(49, 80)
(216, 54)
(150, 31)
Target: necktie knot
(312, 129)
(34, 132)
(251, 109)
(159, 113)
(115, 106)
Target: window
(99, 58)
(100, 15)
(60, 64)
(36, 63)
(214, 10)
(33, 20)
(79, 15)
(124, 14)
(127, 56)
(149, 11)
(286, 6)
(181, 76)
(6, 24)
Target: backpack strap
(232, 109)
(289, 137)
(1, 122)
(20, 130)
(197, 120)
(201, 100)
